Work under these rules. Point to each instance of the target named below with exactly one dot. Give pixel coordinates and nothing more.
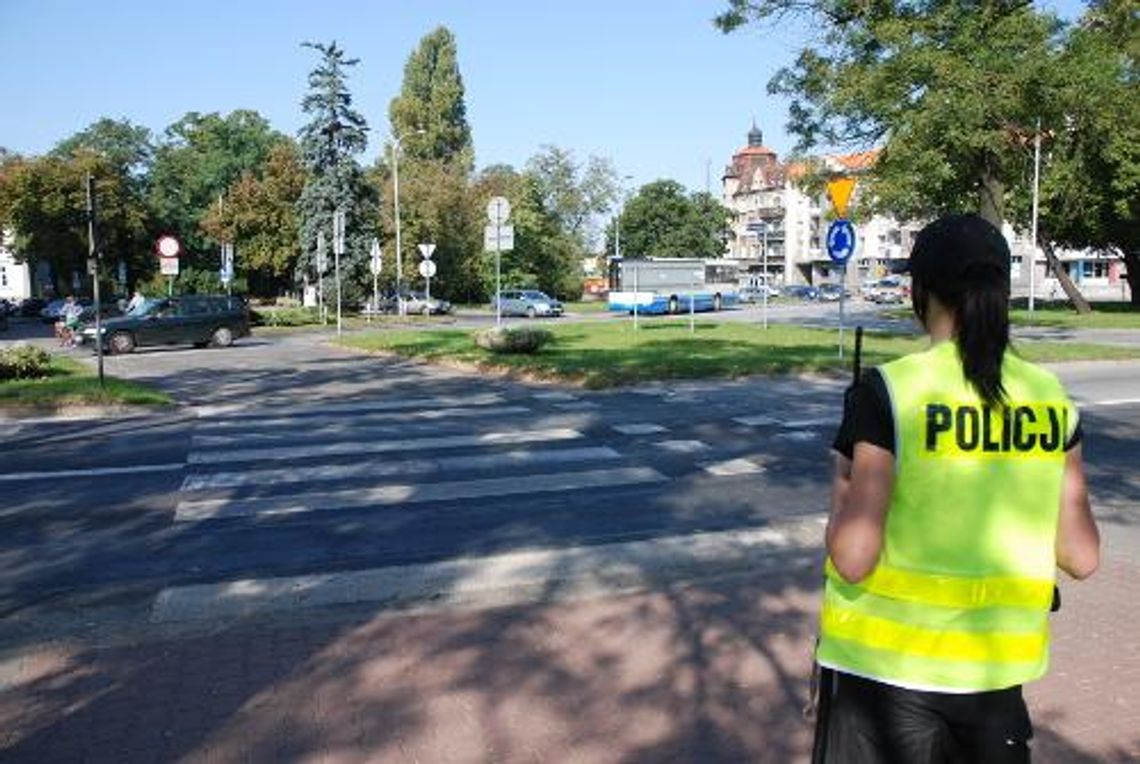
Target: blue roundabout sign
(840, 241)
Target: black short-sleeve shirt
(874, 423)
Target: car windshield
(535, 296)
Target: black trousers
(874, 723)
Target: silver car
(528, 302)
(418, 302)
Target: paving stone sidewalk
(710, 672)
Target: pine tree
(330, 143)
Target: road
(299, 485)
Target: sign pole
(842, 300)
(338, 250)
(766, 286)
(93, 255)
(498, 279)
(635, 298)
(693, 307)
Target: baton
(823, 684)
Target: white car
(528, 302)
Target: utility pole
(93, 267)
(1033, 234)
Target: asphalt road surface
(297, 474)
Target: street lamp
(621, 209)
(396, 148)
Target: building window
(1094, 269)
(3, 276)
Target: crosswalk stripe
(357, 429)
(235, 410)
(519, 577)
(362, 448)
(194, 511)
(315, 423)
(379, 469)
(92, 472)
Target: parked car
(802, 292)
(527, 302)
(197, 320)
(756, 294)
(418, 302)
(886, 291)
(832, 292)
(49, 313)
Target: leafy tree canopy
(429, 115)
(661, 220)
(199, 157)
(128, 147)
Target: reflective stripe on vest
(959, 599)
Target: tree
(128, 151)
(259, 216)
(661, 220)
(429, 115)
(43, 201)
(938, 85)
(129, 148)
(200, 156)
(1090, 189)
(574, 194)
(330, 143)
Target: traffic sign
(498, 210)
(168, 266)
(376, 262)
(757, 227)
(338, 232)
(427, 268)
(840, 240)
(322, 258)
(168, 246)
(499, 237)
(426, 250)
(839, 191)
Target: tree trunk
(1079, 302)
(1132, 263)
(990, 199)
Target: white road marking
(798, 435)
(1116, 402)
(683, 446)
(554, 395)
(521, 577)
(380, 469)
(576, 406)
(397, 404)
(93, 472)
(733, 467)
(315, 423)
(387, 495)
(361, 448)
(644, 428)
(817, 422)
(760, 420)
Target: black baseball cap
(956, 252)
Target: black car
(197, 320)
(802, 292)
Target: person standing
(136, 303)
(958, 491)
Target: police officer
(958, 492)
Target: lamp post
(397, 147)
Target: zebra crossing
(318, 462)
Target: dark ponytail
(982, 316)
(964, 262)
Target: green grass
(612, 353)
(74, 384)
(1060, 315)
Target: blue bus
(664, 285)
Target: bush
(268, 316)
(24, 362)
(513, 339)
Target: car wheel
(716, 302)
(425, 311)
(122, 342)
(222, 337)
(531, 312)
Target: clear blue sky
(651, 85)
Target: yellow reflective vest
(959, 599)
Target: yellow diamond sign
(839, 192)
